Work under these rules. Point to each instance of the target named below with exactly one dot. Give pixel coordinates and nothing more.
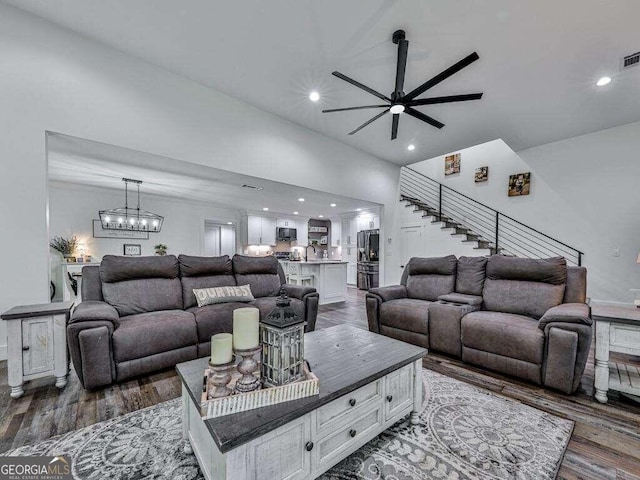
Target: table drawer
(625, 338)
(334, 445)
(337, 412)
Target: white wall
(51, 79)
(73, 207)
(584, 192)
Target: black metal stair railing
(480, 223)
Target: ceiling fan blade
(359, 85)
(448, 99)
(401, 67)
(425, 118)
(368, 122)
(394, 126)
(465, 62)
(353, 108)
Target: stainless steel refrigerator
(368, 256)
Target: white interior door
(412, 244)
(212, 239)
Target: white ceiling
(539, 61)
(86, 162)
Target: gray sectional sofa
(523, 317)
(139, 314)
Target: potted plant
(161, 249)
(66, 246)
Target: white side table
(617, 330)
(37, 344)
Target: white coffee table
(617, 330)
(368, 382)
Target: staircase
(472, 221)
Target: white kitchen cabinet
(368, 222)
(302, 231)
(336, 232)
(261, 230)
(352, 274)
(286, 223)
(349, 231)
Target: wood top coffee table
(368, 382)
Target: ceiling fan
(398, 102)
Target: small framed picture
(452, 164)
(482, 174)
(132, 249)
(519, 184)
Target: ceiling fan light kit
(398, 102)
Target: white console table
(617, 330)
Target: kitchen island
(329, 277)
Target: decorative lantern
(282, 337)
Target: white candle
(221, 350)
(245, 328)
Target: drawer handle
(352, 402)
(24, 349)
(352, 433)
(309, 446)
(389, 398)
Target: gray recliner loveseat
(140, 315)
(523, 317)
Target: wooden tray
(241, 402)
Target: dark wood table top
(344, 358)
(40, 310)
(616, 313)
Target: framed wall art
(519, 184)
(132, 249)
(452, 164)
(481, 175)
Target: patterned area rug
(464, 433)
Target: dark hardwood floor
(605, 443)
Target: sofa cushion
(461, 298)
(141, 284)
(212, 319)
(406, 314)
(209, 296)
(191, 266)
(267, 304)
(428, 278)
(546, 270)
(470, 275)
(117, 269)
(524, 286)
(151, 333)
(259, 272)
(509, 335)
(145, 295)
(204, 272)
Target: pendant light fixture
(131, 219)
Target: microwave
(287, 234)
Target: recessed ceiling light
(395, 109)
(603, 81)
(320, 216)
(358, 209)
(301, 199)
(314, 96)
(411, 147)
(266, 209)
(333, 205)
(229, 223)
(295, 213)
